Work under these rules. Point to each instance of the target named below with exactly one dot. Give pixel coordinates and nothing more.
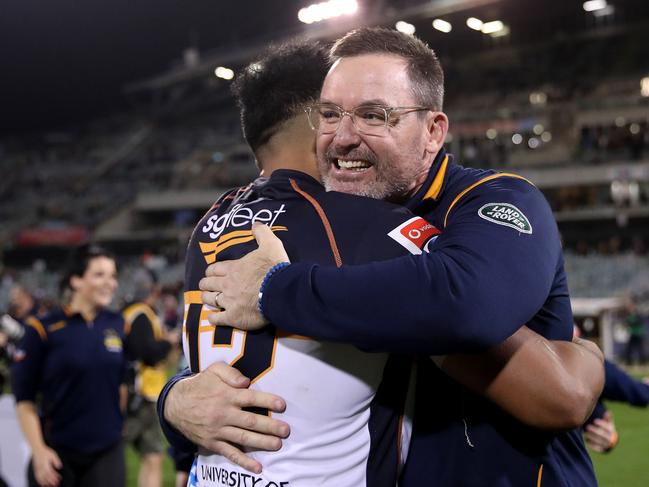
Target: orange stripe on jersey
(38, 326)
(325, 221)
(436, 187)
(56, 326)
(478, 183)
(193, 297)
(540, 476)
(212, 249)
(284, 334)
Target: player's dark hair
(277, 86)
(424, 69)
(79, 260)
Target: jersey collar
(432, 188)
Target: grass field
(627, 465)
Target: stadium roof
(66, 61)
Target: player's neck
(292, 148)
(294, 162)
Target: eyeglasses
(368, 119)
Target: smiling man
(380, 133)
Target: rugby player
(494, 264)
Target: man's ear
(437, 128)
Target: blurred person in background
(635, 324)
(21, 303)
(599, 430)
(170, 309)
(147, 346)
(73, 360)
(11, 331)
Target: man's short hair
(278, 86)
(424, 69)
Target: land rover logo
(507, 215)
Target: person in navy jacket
(72, 359)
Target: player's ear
(436, 124)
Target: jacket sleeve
(620, 386)
(479, 282)
(174, 437)
(27, 368)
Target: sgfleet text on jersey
(239, 217)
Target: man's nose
(347, 133)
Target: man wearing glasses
(491, 262)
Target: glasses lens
(325, 118)
(370, 120)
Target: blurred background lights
(593, 5)
(326, 10)
(644, 86)
(538, 98)
(224, 73)
(491, 27)
(492, 133)
(533, 143)
(517, 139)
(546, 136)
(442, 25)
(474, 23)
(405, 27)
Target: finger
(604, 425)
(268, 241)
(260, 424)
(228, 374)
(223, 318)
(56, 461)
(247, 398)
(236, 456)
(212, 283)
(217, 269)
(250, 439)
(600, 436)
(209, 299)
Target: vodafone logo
(415, 235)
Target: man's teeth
(357, 165)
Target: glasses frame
(310, 110)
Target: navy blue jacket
(77, 367)
(621, 387)
(496, 266)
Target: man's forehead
(367, 78)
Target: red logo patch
(415, 234)
(419, 231)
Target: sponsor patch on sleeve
(507, 215)
(415, 235)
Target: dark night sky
(63, 60)
(66, 61)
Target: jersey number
(256, 357)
